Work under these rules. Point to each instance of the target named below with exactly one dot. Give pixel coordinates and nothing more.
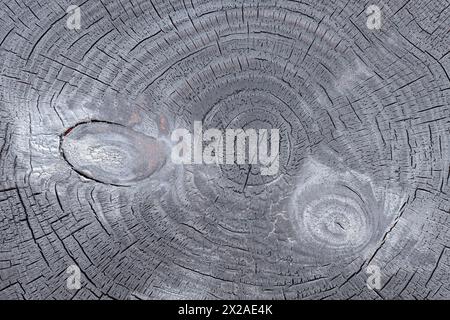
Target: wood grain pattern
(364, 119)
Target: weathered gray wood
(364, 123)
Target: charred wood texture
(86, 177)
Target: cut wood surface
(86, 177)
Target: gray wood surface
(364, 154)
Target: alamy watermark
(249, 146)
(73, 21)
(73, 281)
(374, 279)
(373, 17)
